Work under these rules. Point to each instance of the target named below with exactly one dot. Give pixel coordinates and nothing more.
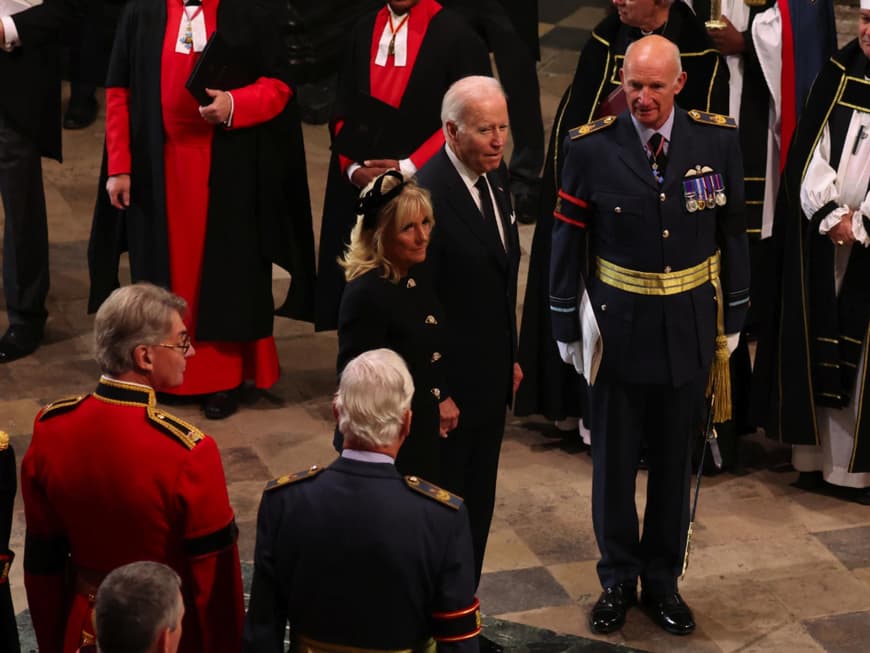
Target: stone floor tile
(863, 573)
(16, 416)
(851, 546)
(828, 591)
(505, 550)
(586, 17)
(555, 11)
(790, 638)
(518, 590)
(566, 38)
(844, 633)
(579, 579)
(243, 464)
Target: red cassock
(187, 160)
(111, 479)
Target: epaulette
(185, 432)
(434, 492)
(281, 481)
(61, 406)
(588, 128)
(716, 119)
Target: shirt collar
(367, 456)
(644, 133)
(468, 175)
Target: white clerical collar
(367, 456)
(399, 39)
(191, 30)
(645, 133)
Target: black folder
(221, 66)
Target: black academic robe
(259, 212)
(550, 387)
(798, 360)
(449, 52)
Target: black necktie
(486, 207)
(657, 158)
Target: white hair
(373, 396)
(463, 92)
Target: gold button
(667, 268)
(411, 284)
(436, 356)
(666, 234)
(618, 209)
(430, 319)
(604, 307)
(662, 197)
(436, 392)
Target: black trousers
(623, 417)
(518, 74)
(469, 468)
(25, 235)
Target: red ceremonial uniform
(187, 154)
(110, 479)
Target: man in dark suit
(474, 256)
(400, 547)
(655, 196)
(29, 129)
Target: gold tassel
(720, 373)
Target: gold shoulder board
(434, 492)
(61, 406)
(281, 481)
(594, 126)
(716, 119)
(185, 432)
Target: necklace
(186, 39)
(391, 50)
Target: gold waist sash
(307, 645)
(658, 283)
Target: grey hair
(672, 49)
(373, 396)
(134, 604)
(462, 92)
(140, 314)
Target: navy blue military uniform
(635, 239)
(359, 556)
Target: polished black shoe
(18, 342)
(488, 646)
(527, 206)
(608, 613)
(670, 612)
(809, 481)
(80, 113)
(220, 405)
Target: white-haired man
(354, 555)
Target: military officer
(354, 555)
(109, 479)
(656, 194)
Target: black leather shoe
(488, 646)
(670, 612)
(220, 405)
(80, 113)
(527, 206)
(19, 341)
(608, 613)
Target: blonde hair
(365, 251)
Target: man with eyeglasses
(110, 479)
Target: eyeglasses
(183, 347)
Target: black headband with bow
(374, 200)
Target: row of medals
(703, 189)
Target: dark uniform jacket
(810, 351)
(611, 202)
(406, 317)
(359, 556)
(549, 386)
(30, 99)
(258, 209)
(110, 479)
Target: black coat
(258, 211)
(354, 556)
(450, 51)
(30, 98)
(476, 281)
(406, 317)
(549, 386)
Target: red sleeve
(209, 532)
(428, 149)
(259, 102)
(118, 130)
(45, 555)
(343, 161)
